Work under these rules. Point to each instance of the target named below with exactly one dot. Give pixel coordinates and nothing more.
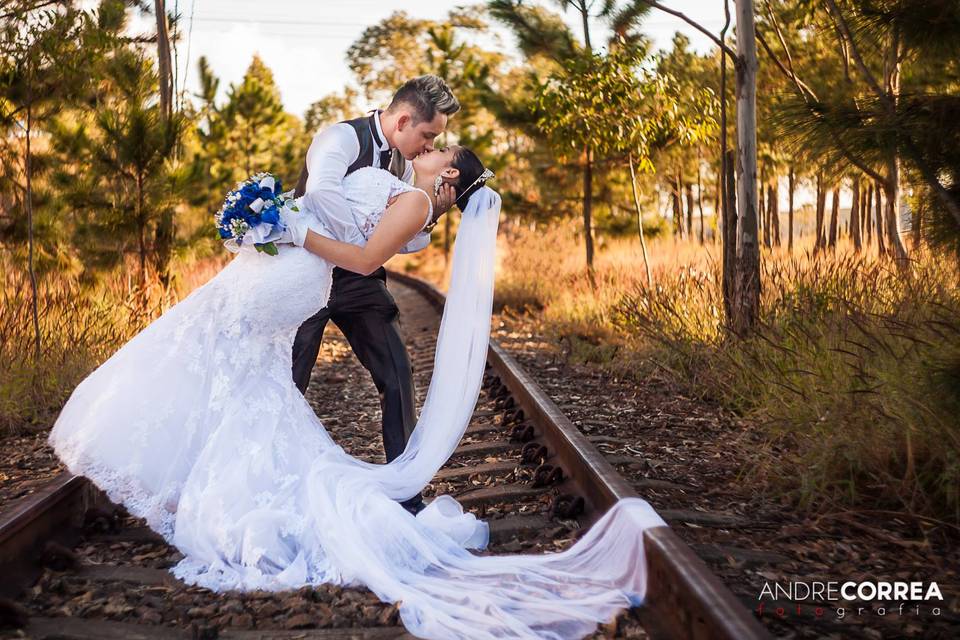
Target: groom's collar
(378, 138)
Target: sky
(304, 42)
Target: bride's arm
(401, 221)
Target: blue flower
(271, 215)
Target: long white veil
(446, 591)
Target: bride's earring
(437, 183)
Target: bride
(196, 426)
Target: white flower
(238, 228)
(267, 182)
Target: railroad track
(74, 567)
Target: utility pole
(163, 59)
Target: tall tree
(253, 116)
(164, 63)
(747, 307)
(334, 107)
(834, 219)
(43, 56)
(117, 172)
(165, 231)
(874, 117)
(855, 217)
(541, 34)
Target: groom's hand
(445, 199)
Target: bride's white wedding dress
(196, 426)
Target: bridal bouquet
(250, 215)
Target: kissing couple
(197, 425)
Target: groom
(361, 306)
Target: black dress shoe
(415, 507)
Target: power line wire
(290, 22)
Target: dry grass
(853, 376)
(80, 326)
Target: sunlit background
(304, 42)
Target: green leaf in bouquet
(268, 248)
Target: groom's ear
(403, 121)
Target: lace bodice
(368, 191)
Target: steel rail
(684, 598)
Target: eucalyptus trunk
(764, 220)
(773, 195)
(791, 189)
(878, 217)
(747, 307)
(855, 224)
(700, 201)
(729, 231)
(821, 210)
(636, 204)
(31, 267)
(163, 60)
(834, 218)
(891, 187)
(141, 229)
(588, 206)
(677, 202)
(892, 212)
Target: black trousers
(367, 315)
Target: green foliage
(252, 120)
(879, 83)
(115, 172)
(539, 32)
(612, 104)
(250, 132)
(43, 57)
(848, 374)
(332, 108)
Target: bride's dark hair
(470, 167)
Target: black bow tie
(385, 157)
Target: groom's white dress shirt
(331, 153)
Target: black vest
(366, 130)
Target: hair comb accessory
(483, 177)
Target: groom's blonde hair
(427, 95)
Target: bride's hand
(296, 226)
(445, 199)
